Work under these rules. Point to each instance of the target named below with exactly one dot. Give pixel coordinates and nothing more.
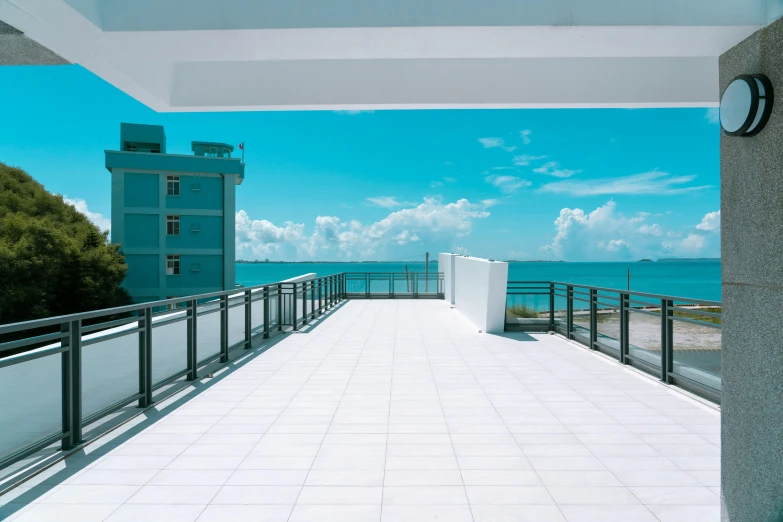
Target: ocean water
(698, 279)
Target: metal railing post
(624, 324)
(551, 307)
(367, 285)
(312, 299)
(192, 341)
(593, 318)
(415, 285)
(667, 350)
(569, 312)
(304, 303)
(320, 295)
(72, 385)
(294, 318)
(279, 307)
(145, 359)
(266, 312)
(248, 319)
(224, 328)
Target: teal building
(173, 214)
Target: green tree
(53, 260)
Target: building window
(172, 265)
(172, 225)
(172, 185)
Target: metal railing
(677, 339)
(60, 374)
(393, 285)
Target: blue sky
(577, 185)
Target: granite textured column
(752, 252)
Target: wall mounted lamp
(746, 105)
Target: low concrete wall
(480, 291)
(446, 265)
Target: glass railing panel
(644, 334)
(356, 285)
(208, 330)
(607, 320)
(169, 347)
(527, 311)
(110, 370)
(257, 312)
(380, 284)
(581, 315)
(31, 402)
(236, 320)
(697, 344)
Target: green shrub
(521, 311)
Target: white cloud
(710, 222)
(605, 234)
(507, 184)
(492, 143)
(712, 115)
(432, 224)
(525, 135)
(649, 183)
(489, 202)
(523, 160)
(553, 168)
(446, 179)
(97, 219)
(261, 238)
(386, 202)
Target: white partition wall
(479, 287)
(446, 265)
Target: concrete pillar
(752, 252)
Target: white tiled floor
(400, 411)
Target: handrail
(698, 371)
(291, 304)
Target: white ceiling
(200, 55)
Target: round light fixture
(746, 105)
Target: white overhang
(227, 55)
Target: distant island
(689, 259)
(532, 261)
(269, 262)
(645, 261)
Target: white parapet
(479, 287)
(298, 279)
(446, 265)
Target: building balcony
(361, 409)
